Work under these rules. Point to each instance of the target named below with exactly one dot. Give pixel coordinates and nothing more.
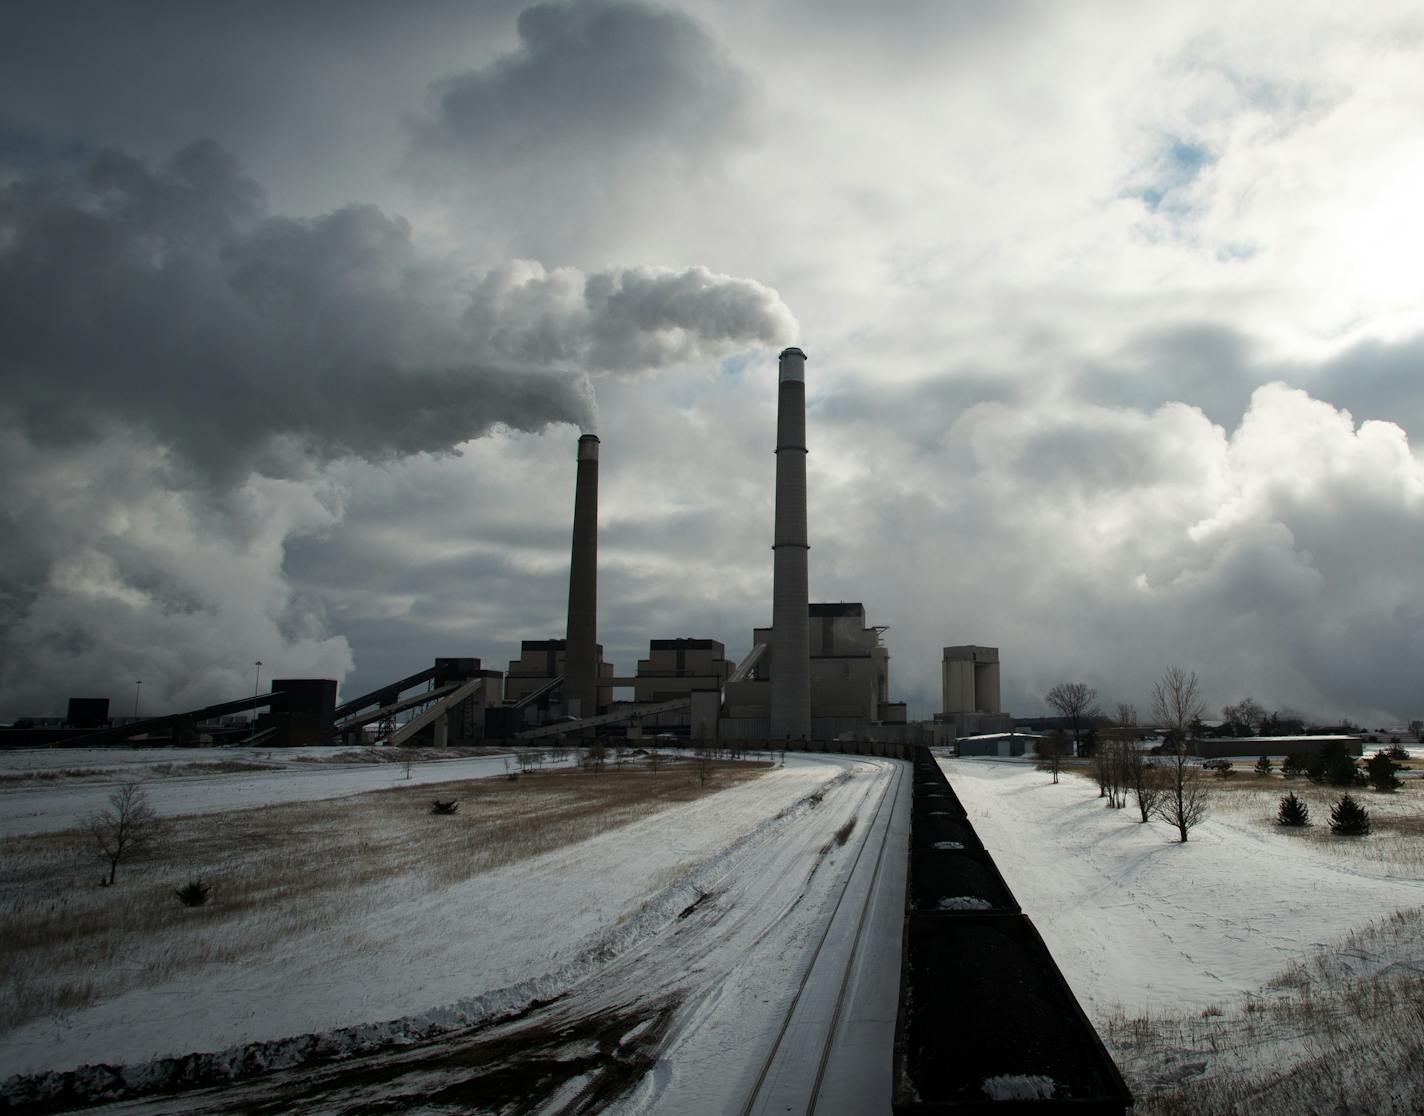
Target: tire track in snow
(313, 1061)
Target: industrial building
(848, 671)
(819, 672)
(969, 687)
(536, 680)
(676, 668)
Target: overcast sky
(1114, 311)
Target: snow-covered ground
(708, 906)
(1142, 923)
(55, 801)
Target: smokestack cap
(588, 447)
(793, 365)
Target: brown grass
(1337, 1032)
(393, 755)
(54, 775)
(285, 870)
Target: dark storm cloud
(587, 137)
(598, 80)
(1214, 366)
(164, 298)
(1377, 380)
(1206, 364)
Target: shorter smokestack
(581, 645)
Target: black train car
(987, 1024)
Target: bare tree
(1125, 715)
(1184, 793)
(1050, 748)
(594, 757)
(1101, 765)
(1145, 782)
(1110, 765)
(703, 756)
(124, 826)
(1076, 701)
(1176, 701)
(1243, 718)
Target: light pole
(137, 683)
(256, 681)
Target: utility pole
(137, 684)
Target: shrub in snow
(1348, 818)
(1293, 811)
(1292, 766)
(1398, 751)
(1333, 764)
(438, 807)
(1381, 771)
(194, 893)
(1263, 765)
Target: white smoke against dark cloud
(207, 361)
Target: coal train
(986, 1021)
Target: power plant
(819, 674)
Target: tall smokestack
(581, 646)
(790, 614)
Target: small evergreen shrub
(1293, 811)
(1333, 764)
(194, 893)
(1263, 765)
(438, 807)
(1398, 751)
(1291, 766)
(1348, 818)
(1381, 772)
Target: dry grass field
(1341, 1031)
(1396, 840)
(288, 869)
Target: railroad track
(612, 1031)
(781, 1085)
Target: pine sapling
(1263, 765)
(1381, 771)
(1293, 811)
(1348, 818)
